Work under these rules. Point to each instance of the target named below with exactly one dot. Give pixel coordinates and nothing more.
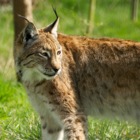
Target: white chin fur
(31, 75)
(34, 75)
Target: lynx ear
(29, 34)
(52, 28)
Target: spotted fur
(68, 78)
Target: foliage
(18, 121)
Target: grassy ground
(18, 121)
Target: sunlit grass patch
(113, 130)
(17, 119)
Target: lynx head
(37, 53)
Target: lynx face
(40, 53)
(44, 58)
(49, 60)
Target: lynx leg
(44, 129)
(51, 129)
(75, 127)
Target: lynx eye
(59, 52)
(45, 54)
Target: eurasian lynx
(68, 78)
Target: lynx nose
(56, 70)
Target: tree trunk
(90, 26)
(24, 8)
(134, 10)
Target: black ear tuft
(52, 28)
(23, 17)
(55, 12)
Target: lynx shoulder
(68, 78)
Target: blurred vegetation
(18, 121)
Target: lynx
(68, 78)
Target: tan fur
(99, 77)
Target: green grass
(112, 130)
(16, 113)
(18, 121)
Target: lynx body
(68, 78)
